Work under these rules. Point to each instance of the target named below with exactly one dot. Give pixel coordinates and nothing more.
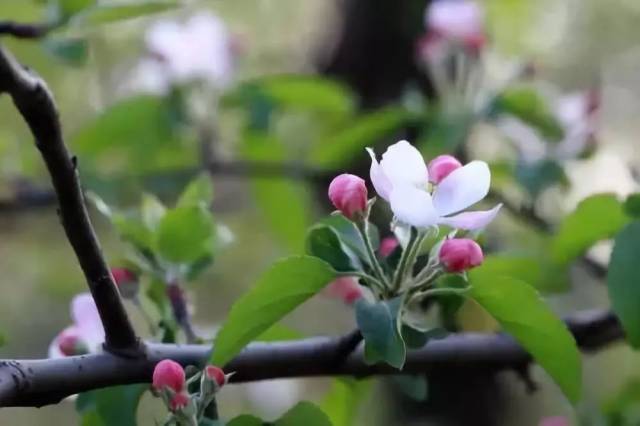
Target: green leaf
(309, 93)
(245, 420)
(413, 386)
(632, 205)
(72, 51)
(109, 12)
(530, 107)
(524, 315)
(596, 218)
(281, 289)
(71, 7)
(340, 149)
(185, 234)
(324, 243)
(416, 339)
(304, 413)
(623, 278)
(140, 133)
(343, 400)
(378, 323)
(198, 192)
(278, 333)
(350, 236)
(538, 176)
(152, 211)
(112, 406)
(284, 203)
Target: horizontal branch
(42, 382)
(23, 30)
(37, 107)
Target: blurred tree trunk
(375, 57)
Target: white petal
(86, 318)
(379, 180)
(462, 188)
(413, 206)
(403, 164)
(471, 221)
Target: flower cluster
(170, 383)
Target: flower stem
(363, 227)
(447, 291)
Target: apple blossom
(458, 20)
(86, 330)
(348, 193)
(215, 374)
(402, 179)
(179, 401)
(460, 254)
(441, 167)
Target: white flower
(272, 398)
(86, 328)
(198, 49)
(456, 19)
(402, 179)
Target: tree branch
(36, 105)
(27, 31)
(42, 382)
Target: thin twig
(26, 31)
(42, 382)
(36, 105)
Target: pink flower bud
(460, 254)
(458, 20)
(348, 193)
(169, 374)
(127, 282)
(216, 375)
(387, 246)
(70, 343)
(441, 166)
(346, 289)
(178, 401)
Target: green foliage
(350, 236)
(380, 327)
(300, 92)
(68, 8)
(185, 235)
(69, 50)
(623, 278)
(413, 386)
(323, 242)
(278, 333)
(528, 105)
(138, 134)
(281, 289)
(596, 218)
(344, 398)
(304, 413)
(340, 148)
(3, 339)
(245, 420)
(284, 202)
(524, 315)
(539, 176)
(632, 205)
(112, 11)
(198, 193)
(110, 406)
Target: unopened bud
(216, 375)
(169, 374)
(460, 254)
(346, 289)
(441, 166)
(70, 343)
(213, 379)
(348, 193)
(179, 401)
(127, 282)
(387, 246)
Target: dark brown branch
(36, 105)
(42, 382)
(27, 31)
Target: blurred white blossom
(272, 398)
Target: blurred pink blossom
(86, 330)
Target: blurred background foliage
(281, 109)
